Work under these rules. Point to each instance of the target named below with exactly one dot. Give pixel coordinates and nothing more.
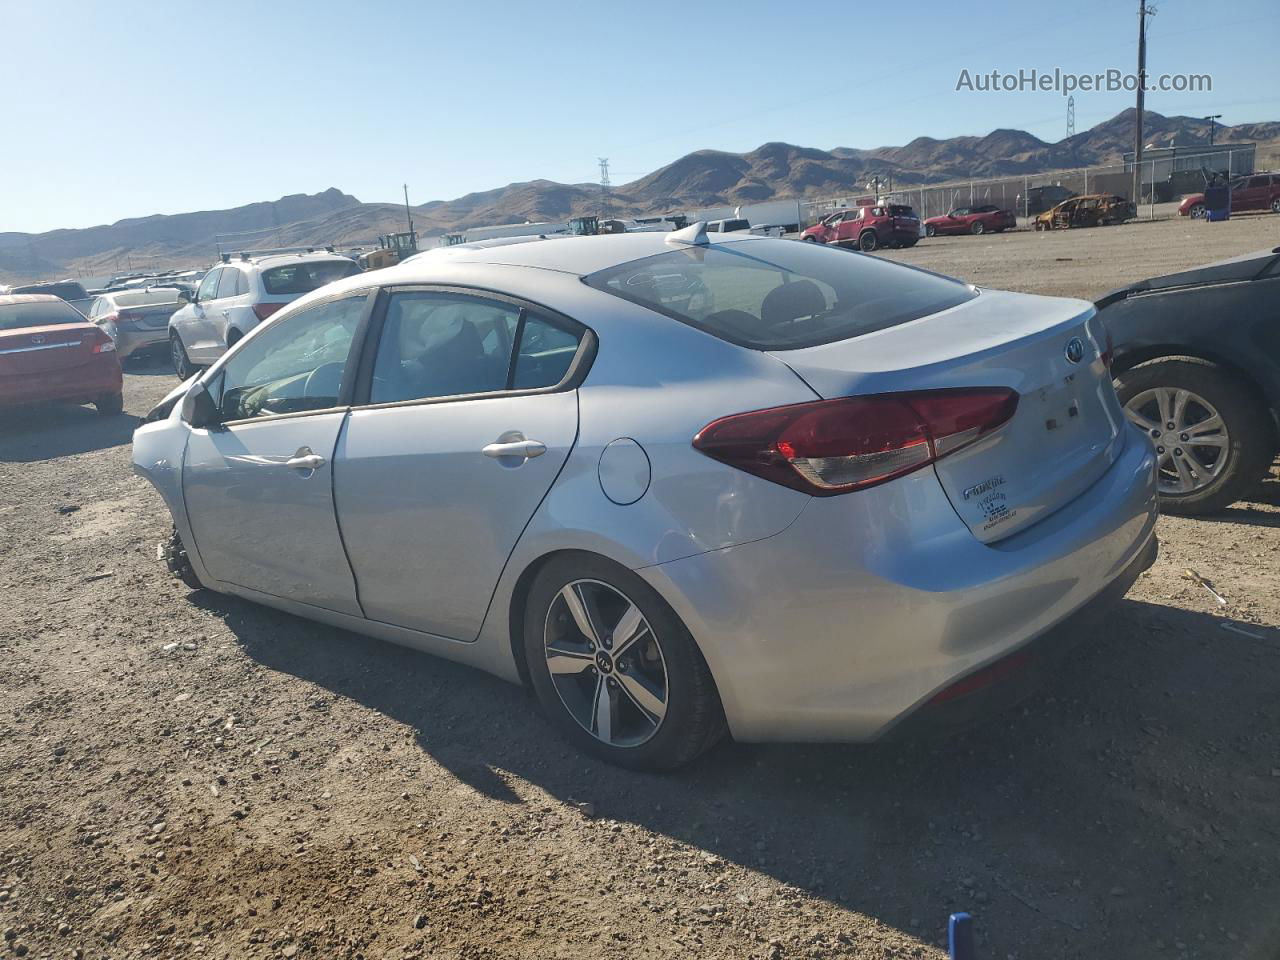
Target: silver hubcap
(1190, 436)
(606, 663)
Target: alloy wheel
(1191, 437)
(606, 663)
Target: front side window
(208, 285)
(294, 364)
(780, 295)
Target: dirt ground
(192, 775)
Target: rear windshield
(146, 297)
(66, 291)
(780, 294)
(15, 316)
(305, 276)
(897, 210)
(731, 225)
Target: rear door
(258, 487)
(472, 411)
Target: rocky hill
(702, 178)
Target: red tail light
(264, 310)
(836, 446)
(103, 343)
(1109, 354)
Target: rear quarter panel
(1235, 324)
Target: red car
(868, 228)
(1258, 192)
(987, 218)
(50, 353)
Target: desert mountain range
(701, 178)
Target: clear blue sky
(125, 109)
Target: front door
(199, 332)
(436, 478)
(258, 488)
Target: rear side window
(295, 279)
(15, 316)
(545, 355)
(732, 225)
(778, 294)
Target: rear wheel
(614, 667)
(110, 404)
(234, 336)
(1210, 436)
(978, 228)
(909, 243)
(182, 365)
(810, 239)
(1275, 205)
(930, 230)
(868, 241)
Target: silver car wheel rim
(1190, 436)
(606, 663)
(175, 351)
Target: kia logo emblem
(1075, 349)
(37, 339)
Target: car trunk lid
(44, 349)
(1065, 433)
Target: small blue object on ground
(960, 936)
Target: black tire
(234, 336)
(1197, 211)
(1251, 445)
(810, 239)
(693, 721)
(110, 404)
(908, 244)
(1275, 205)
(174, 553)
(978, 228)
(182, 364)
(868, 241)
(930, 230)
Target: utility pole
(407, 213)
(604, 185)
(1211, 118)
(1144, 10)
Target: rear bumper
(80, 384)
(871, 604)
(129, 342)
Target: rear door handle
(524, 449)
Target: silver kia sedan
(678, 484)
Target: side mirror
(186, 296)
(198, 408)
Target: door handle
(305, 459)
(524, 449)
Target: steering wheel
(324, 380)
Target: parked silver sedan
(677, 484)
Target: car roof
(280, 259)
(580, 256)
(11, 298)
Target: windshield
(40, 313)
(778, 294)
(305, 276)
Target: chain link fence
(1165, 176)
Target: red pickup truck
(987, 218)
(868, 228)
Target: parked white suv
(238, 294)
